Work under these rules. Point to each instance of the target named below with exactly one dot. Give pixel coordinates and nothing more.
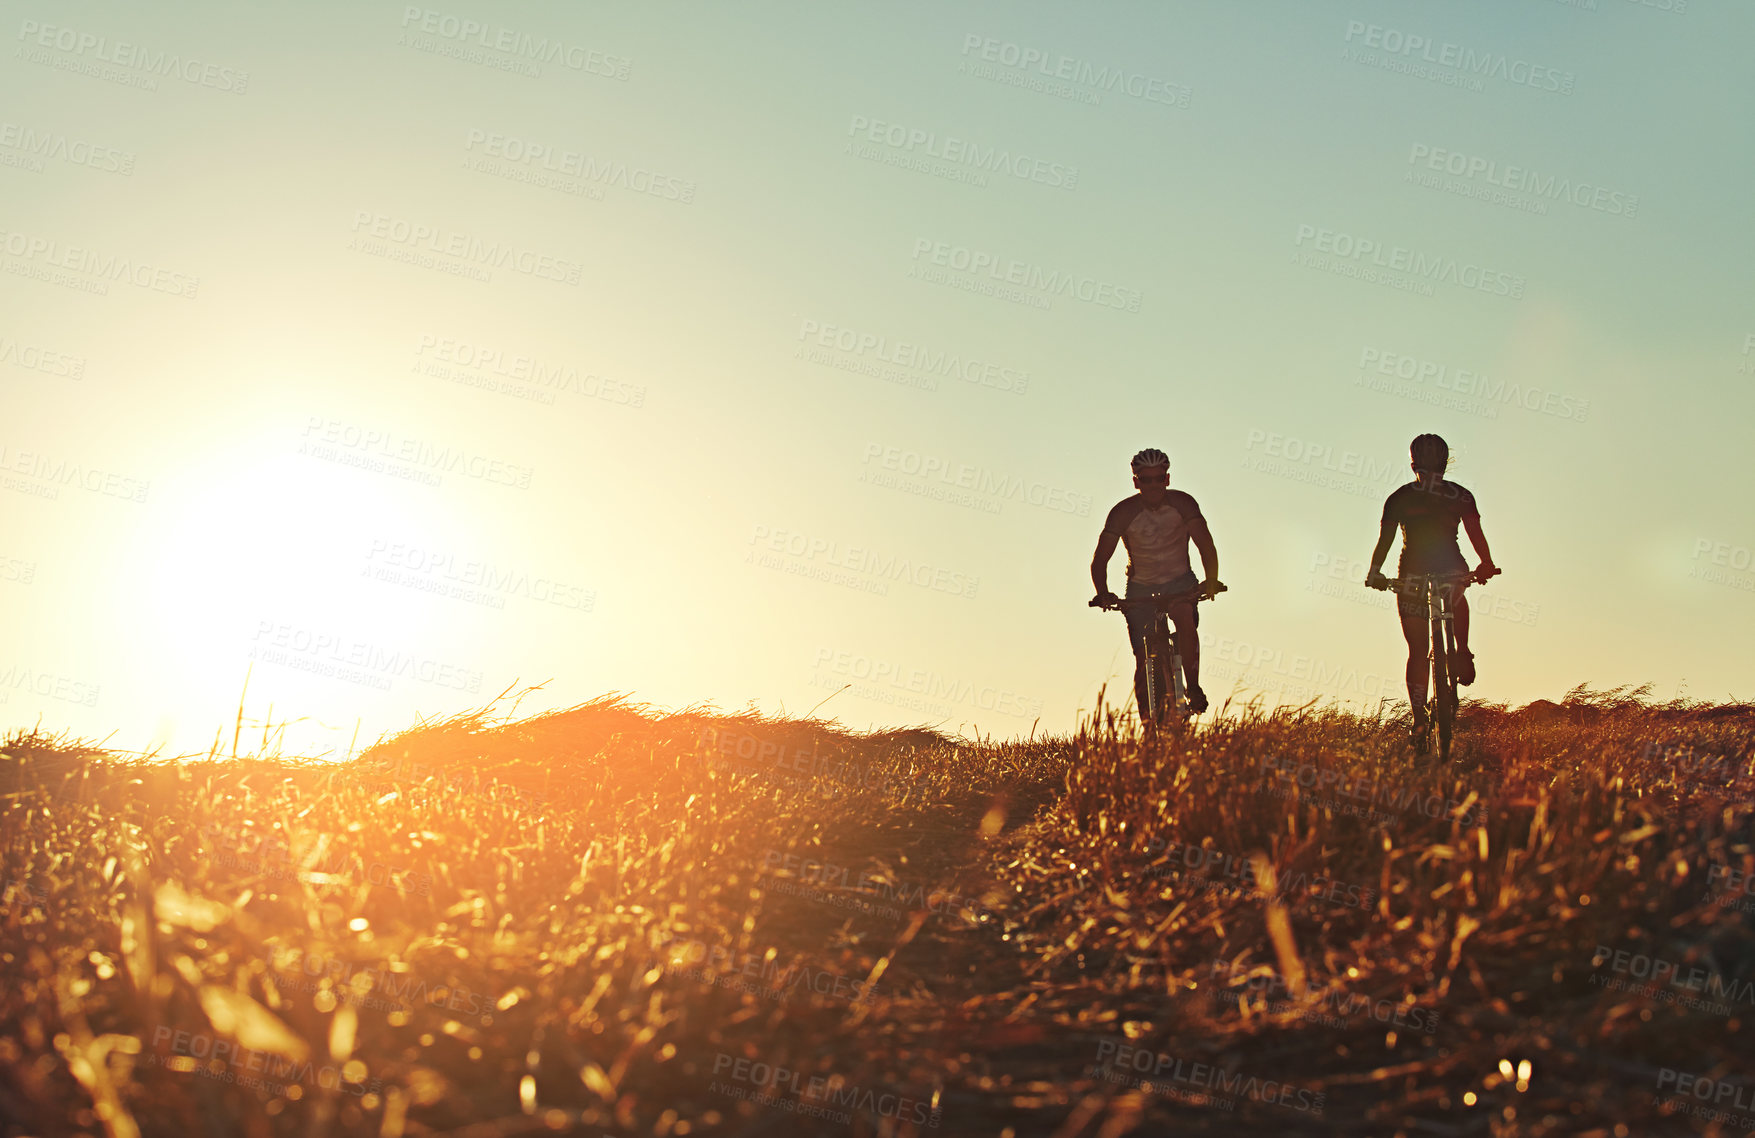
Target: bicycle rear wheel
(1158, 682)
(1443, 689)
(1157, 676)
(1154, 688)
(1177, 689)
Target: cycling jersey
(1428, 517)
(1156, 540)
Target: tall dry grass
(579, 921)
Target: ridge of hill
(605, 920)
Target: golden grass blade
(237, 1016)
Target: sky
(362, 362)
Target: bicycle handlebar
(1473, 576)
(1162, 601)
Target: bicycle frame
(1177, 704)
(1440, 591)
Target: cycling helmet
(1151, 456)
(1430, 453)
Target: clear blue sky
(400, 354)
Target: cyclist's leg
(1464, 664)
(1139, 622)
(1412, 610)
(1160, 638)
(1444, 674)
(1187, 618)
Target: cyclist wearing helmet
(1157, 524)
(1427, 511)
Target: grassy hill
(604, 921)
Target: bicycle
(1439, 592)
(1163, 666)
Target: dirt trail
(963, 1013)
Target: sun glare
(269, 567)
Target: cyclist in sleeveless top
(1157, 524)
(1427, 511)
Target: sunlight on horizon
(774, 358)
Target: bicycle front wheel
(1157, 680)
(1443, 690)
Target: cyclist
(1157, 524)
(1427, 510)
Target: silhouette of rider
(1156, 525)
(1427, 511)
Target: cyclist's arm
(1385, 539)
(1106, 543)
(1203, 541)
(1472, 526)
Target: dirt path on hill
(963, 1013)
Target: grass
(608, 921)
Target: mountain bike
(1166, 694)
(1439, 591)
